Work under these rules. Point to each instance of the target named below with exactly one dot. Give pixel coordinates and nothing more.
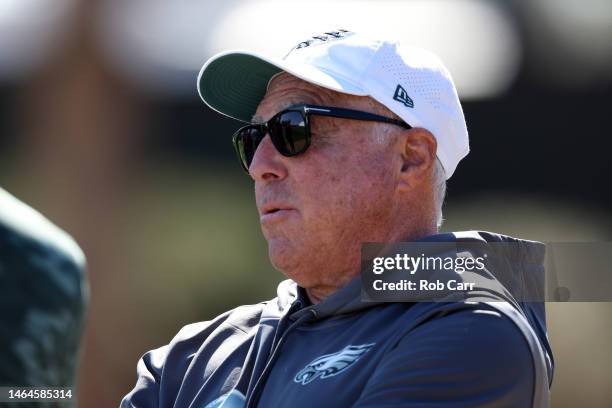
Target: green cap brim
(234, 83)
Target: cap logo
(323, 38)
(402, 96)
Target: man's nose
(268, 163)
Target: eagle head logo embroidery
(331, 364)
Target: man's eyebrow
(289, 104)
(257, 119)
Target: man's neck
(319, 293)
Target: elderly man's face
(339, 193)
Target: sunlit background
(102, 130)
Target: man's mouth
(275, 212)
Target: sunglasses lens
(288, 133)
(246, 142)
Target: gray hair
(439, 183)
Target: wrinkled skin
(358, 182)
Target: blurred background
(102, 130)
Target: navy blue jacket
(344, 352)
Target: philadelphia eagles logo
(331, 364)
(321, 39)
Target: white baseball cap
(411, 82)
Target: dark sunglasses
(289, 130)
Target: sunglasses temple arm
(357, 115)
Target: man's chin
(282, 256)
(288, 260)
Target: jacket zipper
(254, 397)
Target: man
(352, 140)
(43, 296)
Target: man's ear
(418, 156)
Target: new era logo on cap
(402, 96)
